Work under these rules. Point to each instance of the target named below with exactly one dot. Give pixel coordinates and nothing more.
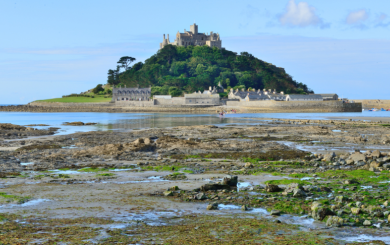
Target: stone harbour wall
(385, 104)
(297, 106)
(152, 106)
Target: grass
(287, 182)
(6, 198)
(292, 207)
(298, 176)
(363, 175)
(98, 98)
(163, 168)
(92, 170)
(106, 174)
(188, 171)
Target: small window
(190, 100)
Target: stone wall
(385, 104)
(297, 106)
(60, 104)
(134, 103)
(173, 101)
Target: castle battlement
(194, 38)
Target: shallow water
(131, 121)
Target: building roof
(328, 95)
(200, 96)
(162, 97)
(305, 96)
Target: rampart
(296, 106)
(385, 104)
(172, 106)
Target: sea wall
(133, 103)
(59, 104)
(374, 103)
(152, 106)
(297, 106)
(178, 101)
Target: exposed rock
(244, 208)
(275, 212)
(248, 165)
(200, 196)
(272, 188)
(334, 221)
(214, 187)
(168, 193)
(355, 210)
(230, 180)
(357, 156)
(367, 223)
(299, 193)
(212, 206)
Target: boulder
(200, 196)
(367, 223)
(357, 156)
(334, 221)
(248, 165)
(168, 193)
(212, 206)
(272, 188)
(325, 189)
(355, 210)
(375, 164)
(320, 212)
(299, 193)
(340, 199)
(351, 182)
(244, 208)
(373, 209)
(275, 212)
(291, 187)
(376, 154)
(214, 187)
(230, 180)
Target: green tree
(125, 62)
(98, 88)
(175, 92)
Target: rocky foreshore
(236, 171)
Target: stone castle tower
(194, 38)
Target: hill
(175, 70)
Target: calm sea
(130, 121)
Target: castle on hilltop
(194, 38)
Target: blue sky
(52, 48)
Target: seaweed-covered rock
(230, 180)
(272, 188)
(334, 221)
(212, 206)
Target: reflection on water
(133, 121)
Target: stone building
(215, 90)
(329, 96)
(194, 38)
(253, 94)
(201, 99)
(304, 97)
(131, 94)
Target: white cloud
(300, 15)
(357, 17)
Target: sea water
(134, 121)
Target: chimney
(210, 88)
(281, 92)
(137, 85)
